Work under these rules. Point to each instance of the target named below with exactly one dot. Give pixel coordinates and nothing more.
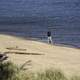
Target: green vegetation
(9, 71)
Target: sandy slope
(67, 59)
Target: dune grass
(9, 71)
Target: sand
(40, 56)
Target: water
(61, 35)
(33, 18)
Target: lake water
(33, 18)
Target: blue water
(33, 18)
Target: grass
(9, 71)
(50, 75)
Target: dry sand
(64, 58)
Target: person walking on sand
(49, 37)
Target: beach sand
(39, 56)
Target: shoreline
(42, 40)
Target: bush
(9, 71)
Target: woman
(49, 37)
